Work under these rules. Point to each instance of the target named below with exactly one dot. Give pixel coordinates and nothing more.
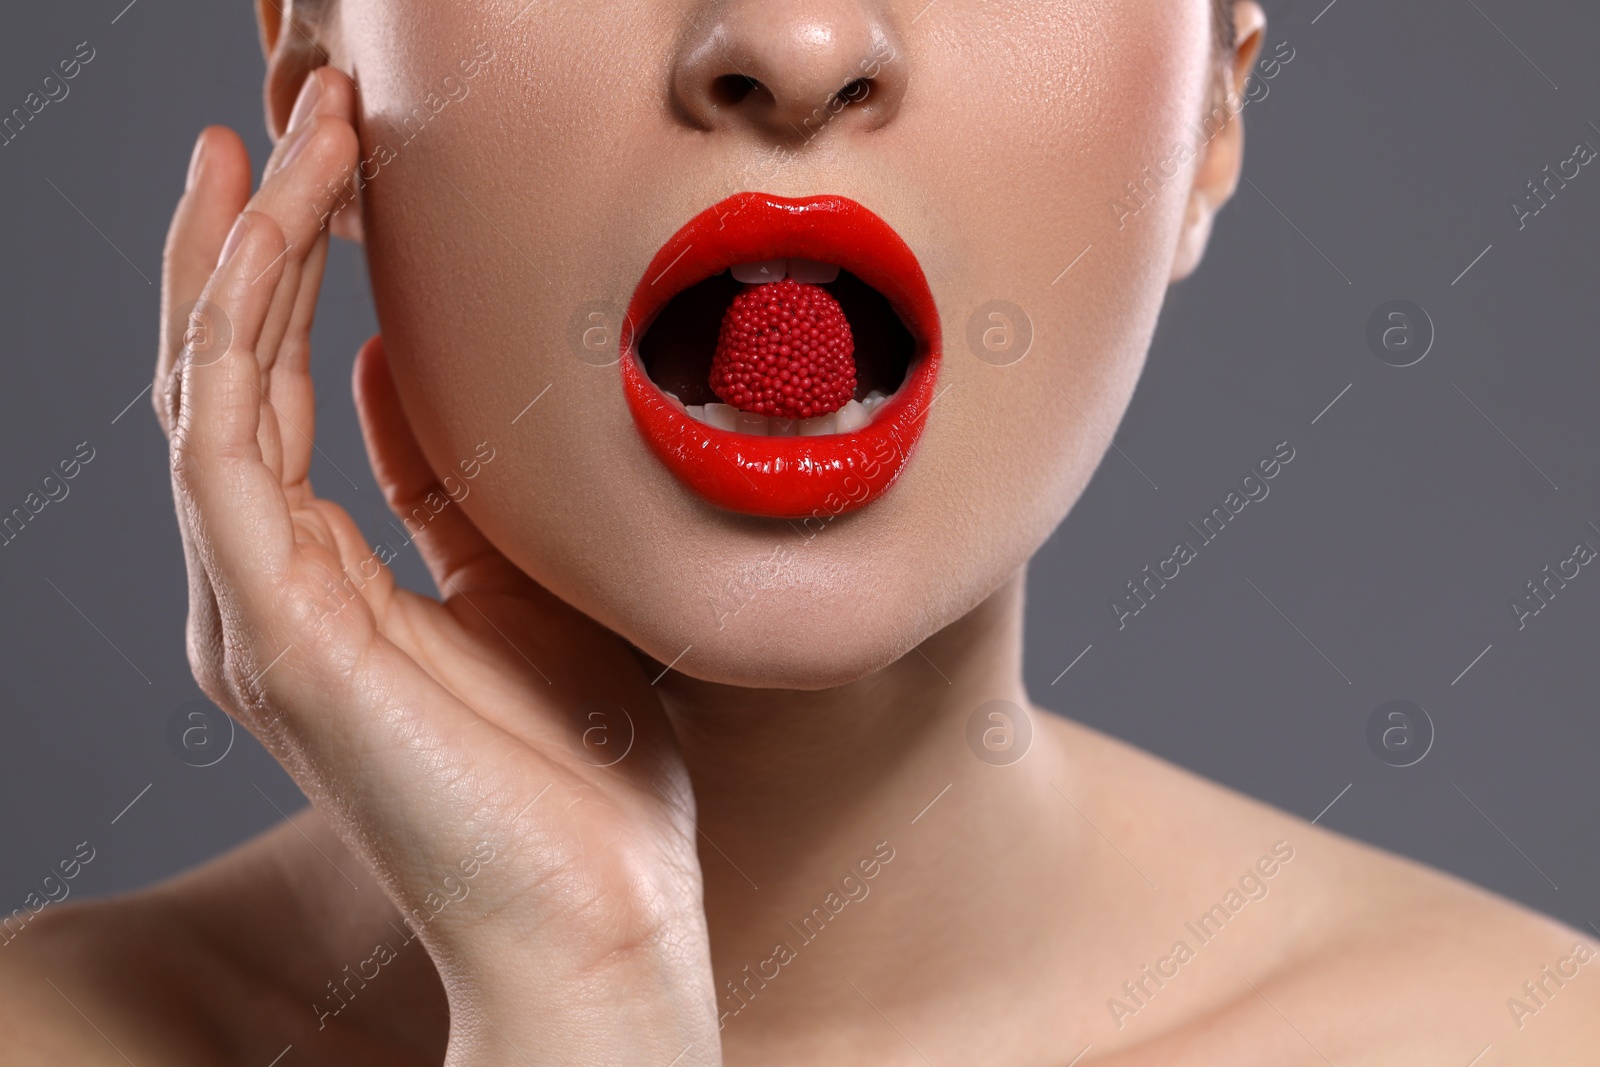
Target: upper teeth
(853, 416)
(774, 270)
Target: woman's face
(526, 161)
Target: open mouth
(784, 355)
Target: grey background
(1379, 567)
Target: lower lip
(787, 477)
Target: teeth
(848, 419)
(768, 270)
(852, 417)
(722, 416)
(809, 270)
(772, 270)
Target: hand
(560, 900)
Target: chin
(775, 604)
(767, 651)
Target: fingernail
(305, 105)
(235, 235)
(289, 148)
(195, 162)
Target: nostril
(854, 93)
(776, 68)
(730, 89)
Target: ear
(1220, 159)
(289, 38)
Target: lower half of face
(687, 445)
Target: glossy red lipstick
(786, 477)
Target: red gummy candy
(785, 350)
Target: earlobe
(1194, 236)
(347, 223)
(1220, 157)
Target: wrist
(640, 1013)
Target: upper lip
(786, 477)
(752, 227)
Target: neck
(803, 794)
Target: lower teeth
(853, 416)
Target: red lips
(786, 477)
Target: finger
(459, 557)
(288, 440)
(242, 530)
(216, 190)
(297, 192)
(234, 503)
(300, 185)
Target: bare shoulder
(1431, 967)
(1364, 957)
(101, 983)
(231, 962)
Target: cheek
(499, 227)
(1066, 154)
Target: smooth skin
(617, 903)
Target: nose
(788, 70)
